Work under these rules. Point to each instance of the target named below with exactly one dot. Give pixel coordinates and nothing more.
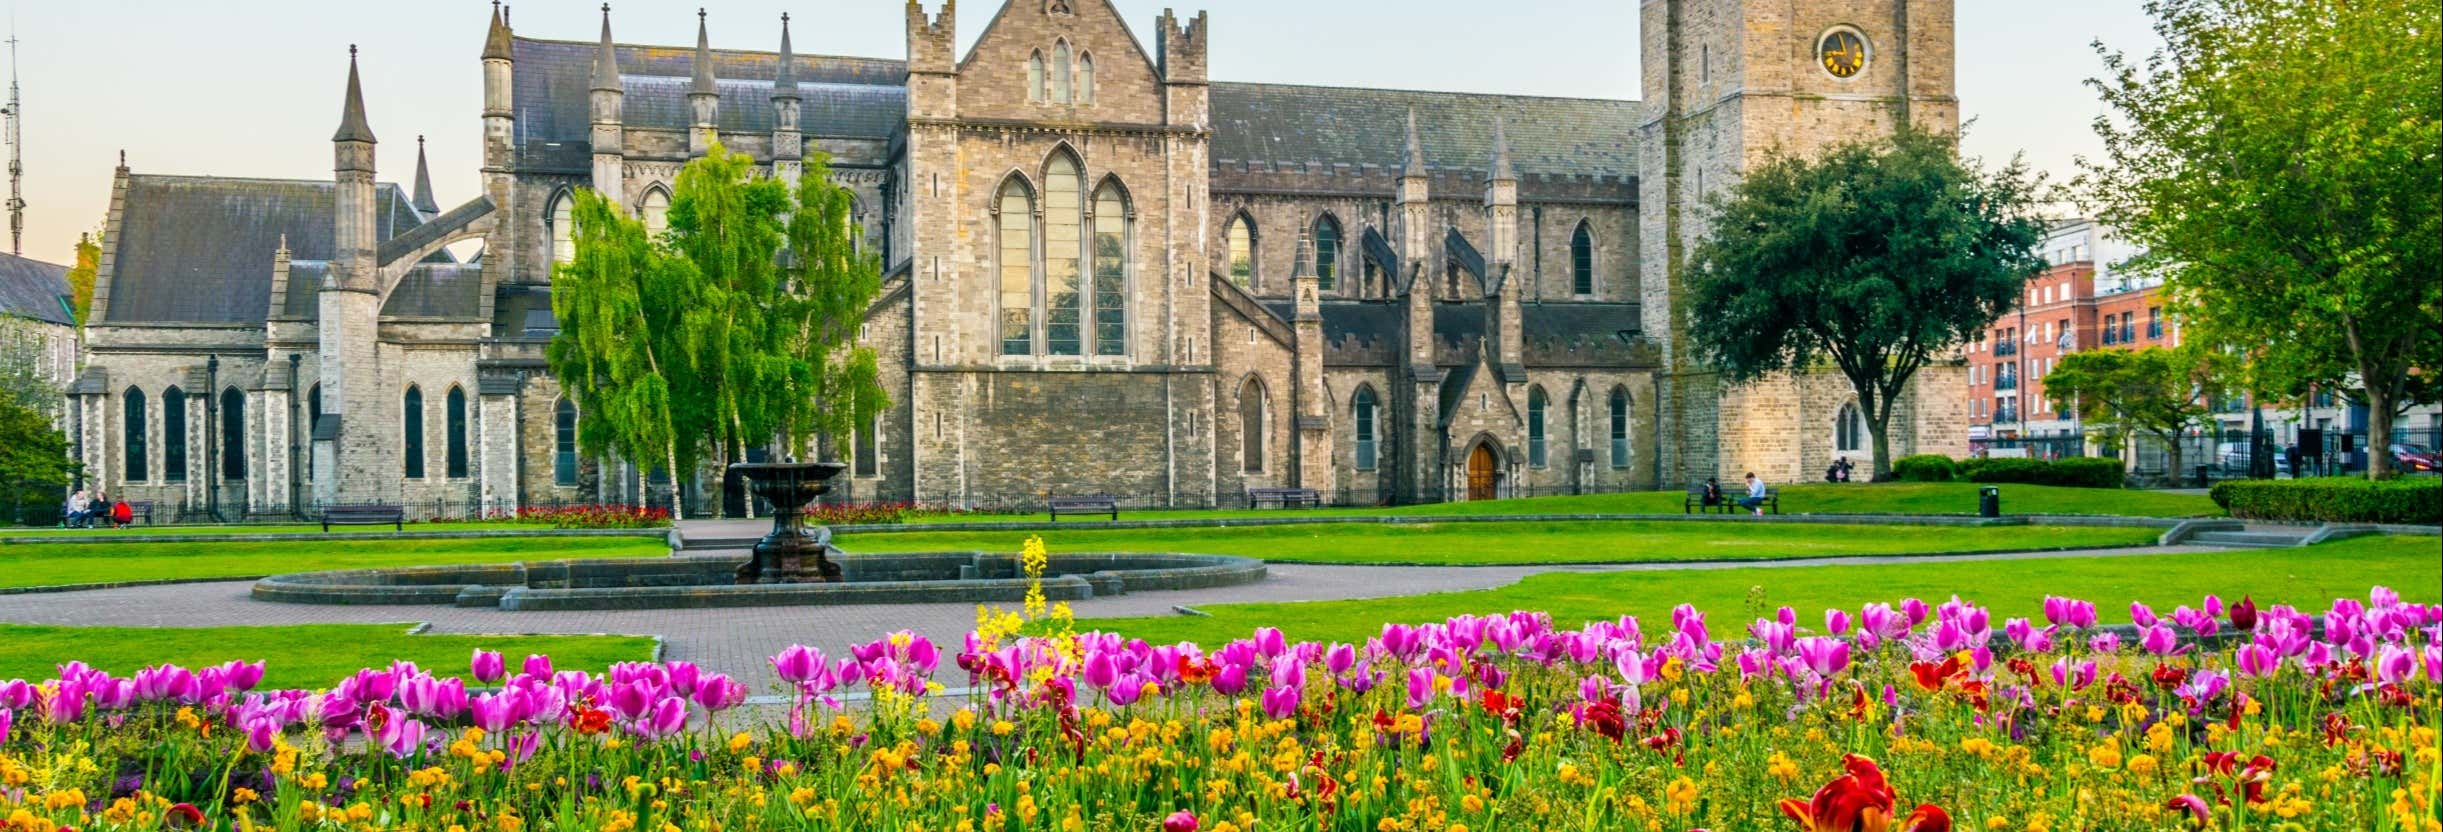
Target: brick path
(738, 640)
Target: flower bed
(1910, 716)
(876, 514)
(585, 517)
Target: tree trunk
(670, 457)
(2379, 432)
(2171, 450)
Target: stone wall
(1244, 351)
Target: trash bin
(1989, 502)
(2202, 479)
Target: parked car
(2232, 458)
(2416, 459)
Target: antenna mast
(16, 154)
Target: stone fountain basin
(690, 582)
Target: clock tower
(1726, 83)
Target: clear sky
(252, 87)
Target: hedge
(2075, 472)
(1925, 468)
(2333, 500)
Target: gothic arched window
(1110, 270)
(1034, 78)
(1251, 426)
(313, 413)
(1327, 252)
(233, 434)
(1849, 429)
(1064, 217)
(174, 435)
(1620, 428)
(1582, 261)
(1061, 78)
(564, 443)
(655, 211)
(868, 450)
(1241, 241)
(411, 428)
(1017, 210)
(1537, 404)
(131, 433)
(1366, 433)
(456, 415)
(563, 228)
(1085, 79)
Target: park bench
(1772, 500)
(1098, 504)
(1696, 502)
(366, 515)
(1284, 497)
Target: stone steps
(2250, 540)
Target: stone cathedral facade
(1106, 272)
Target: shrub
(2009, 469)
(585, 517)
(2333, 500)
(2089, 472)
(1925, 468)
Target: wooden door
(1483, 474)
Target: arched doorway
(1483, 473)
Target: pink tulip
(2199, 812)
(7, 718)
(662, 719)
(718, 692)
(798, 664)
(487, 666)
(2141, 615)
(16, 694)
(1836, 622)
(2160, 640)
(538, 666)
(1280, 702)
(1339, 659)
(2395, 664)
(1180, 821)
(402, 736)
(2258, 660)
(1824, 656)
(1420, 687)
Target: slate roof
(199, 249)
(1286, 123)
(35, 290)
(857, 98)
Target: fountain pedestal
(789, 555)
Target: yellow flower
(2105, 755)
(740, 742)
(1681, 795)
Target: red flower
(588, 720)
(182, 816)
(1932, 676)
(1604, 718)
(1501, 705)
(2243, 614)
(2168, 677)
(1195, 671)
(2199, 813)
(1861, 801)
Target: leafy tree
(22, 382)
(81, 275)
(619, 347)
(2156, 391)
(34, 466)
(735, 331)
(2277, 160)
(1878, 257)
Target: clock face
(1843, 53)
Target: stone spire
(1501, 171)
(703, 96)
(352, 126)
(496, 41)
(703, 83)
(1414, 163)
(606, 59)
(784, 84)
(424, 183)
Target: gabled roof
(195, 249)
(1292, 124)
(35, 290)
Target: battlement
(933, 38)
(1182, 55)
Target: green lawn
(1819, 498)
(54, 565)
(310, 656)
(1531, 542)
(291, 528)
(2307, 578)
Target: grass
(290, 528)
(2307, 578)
(1855, 498)
(1529, 542)
(47, 565)
(307, 656)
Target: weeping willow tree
(619, 303)
(733, 332)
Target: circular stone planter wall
(693, 582)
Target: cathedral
(1105, 272)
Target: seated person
(1712, 495)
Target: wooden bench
(1284, 497)
(1696, 502)
(1099, 504)
(368, 515)
(1772, 500)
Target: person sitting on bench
(1754, 501)
(1713, 493)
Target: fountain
(788, 555)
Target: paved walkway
(737, 641)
